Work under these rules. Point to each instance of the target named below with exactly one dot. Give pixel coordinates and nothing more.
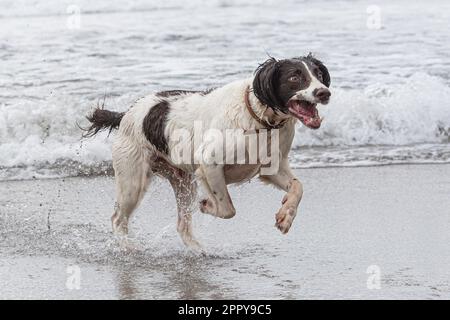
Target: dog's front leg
(286, 181)
(219, 202)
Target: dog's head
(294, 86)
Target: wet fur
(142, 146)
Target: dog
(279, 93)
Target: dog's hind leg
(132, 173)
(185, 190)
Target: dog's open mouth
(306, 112)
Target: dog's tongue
(306, 113)
(313, 123)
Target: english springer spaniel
(179, 135)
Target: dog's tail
(101, 119)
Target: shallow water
(390, 84)
(391, 93)
(392, 218)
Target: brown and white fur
(281, 91)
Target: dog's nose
(322, 94)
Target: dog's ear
(325, 74)
(265, 83)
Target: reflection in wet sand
(180, 277)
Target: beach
(364, 232)
(374, 221)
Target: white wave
(43, 134)
(414, 111)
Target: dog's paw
(286, 215)
(125, 244)
(195, 247)
(284, 219)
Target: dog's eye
(319, 75)
(294, 79)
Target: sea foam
(39, 137)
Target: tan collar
(264, 123)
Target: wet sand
(395, 219)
